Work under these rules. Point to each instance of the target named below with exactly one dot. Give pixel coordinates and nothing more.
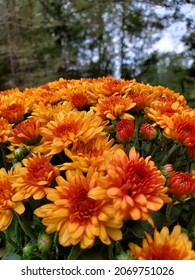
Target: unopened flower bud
(147, 131)
(21, 153)
(28, 250)
(44, 242)
(167, 169)
(125, 130)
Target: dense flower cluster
(84, 160)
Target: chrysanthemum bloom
(12, 91)
(181, 127)
(32, 179)
(68, 128)
(90, 154)
(164, 246)
(141, 94)
(78, 218)
(86, 87)
(77, 98)
(13, 112)
(159, 112)
(103, 87)
(5, 130)
(147, 131)
(108, 86)
(7, 205)
(40, 94)
(114, 106)
(26, 132)
(125, 130)
(181, 183)
(166, 95)
(56, 85)
(13, 106)
(45, 113)
(134, 184)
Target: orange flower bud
(147, 131)
(181, 183)
(125, 130)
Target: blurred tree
(23, 39)
(42, 40)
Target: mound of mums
(97, 168)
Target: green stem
(24, 228)
(168, 213)
(148, 147)
(11, 242)
(110, 252)
(167, 155)
(154, 150)
(18, 234)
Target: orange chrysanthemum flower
(159, 112)
(78, 218)
(134, 184)
(14, 112)
(5, 130)
(164, 246)
(12, 91)
(13, 106)
(7, 205)
(166, 95)
(182, 128)
(90, 154)
(125, 130)
(115, 106)
(40, 94)
(181, 183)
(56, 85)
(46, 113)
(32, 179)
(26, 132)
(68, 128)
(141, 94)
(77, 98)
(108, 86)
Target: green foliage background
(42, 40)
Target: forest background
(43, 40)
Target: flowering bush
(96, 169)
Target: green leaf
(74, 252)
(137, 229)
(191, 224)
(175, 213)
(26, 224)
(12, 256)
